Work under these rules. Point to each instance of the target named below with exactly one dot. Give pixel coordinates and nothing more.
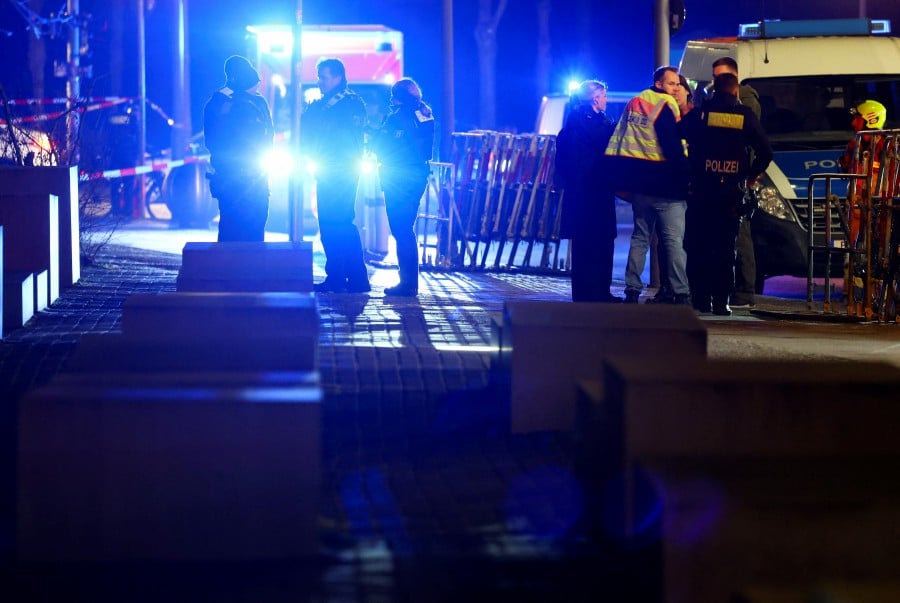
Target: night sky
(618, 38)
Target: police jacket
(238, 131)
(333, 130)
(747, 94)
(404, 142)
(645, 154)
(719, 137)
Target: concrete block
(63, 183)
(18, 299)
(2, 302)
(770, 472)
(41, 290)
(209, 379)
(214, 316)
(750, 409)
(546, 347)
(31, 240)
(119, 353)
(246, 266)
(138, 471)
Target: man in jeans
(647, 158)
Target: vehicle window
(815, 111)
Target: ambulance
(373, 60)
(809, 76)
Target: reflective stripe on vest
(635, 134)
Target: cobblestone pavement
(426, 496)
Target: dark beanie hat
(239, 73)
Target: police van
(809, 76)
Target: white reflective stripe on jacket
(635, 134)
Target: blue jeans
(670, 213)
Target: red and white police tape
(156, 166)
(99, 102)
(55, 114)
(63, 100)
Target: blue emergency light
(814, 27)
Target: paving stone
(441, 442)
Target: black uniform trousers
(710, 233)
(336, 203)
(401, 200)
(243, 207)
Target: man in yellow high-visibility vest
(646, 158)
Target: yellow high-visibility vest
(635, 134)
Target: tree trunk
(486, 40)
(544, 52)
(586, 33)
(37, 61)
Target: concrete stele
(63, 183)
(31, 241)
(246, 266)
(771, 472)
(18, 299)
(546, 347)
(143, 471)
(41, 290)
(184, 316)
(111, 352)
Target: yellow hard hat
(873, 113)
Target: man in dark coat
(588, 210)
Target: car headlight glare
(770, 200)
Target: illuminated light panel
(814, 27)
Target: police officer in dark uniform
(238, 129)
(404, 147)
(720, 136)
(333, 138)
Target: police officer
(333, 137)
(238, 129)
(404, 147)
(719, 135)
(745, 262)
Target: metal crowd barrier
(439, 218)
(868, 219)
(496, 207)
